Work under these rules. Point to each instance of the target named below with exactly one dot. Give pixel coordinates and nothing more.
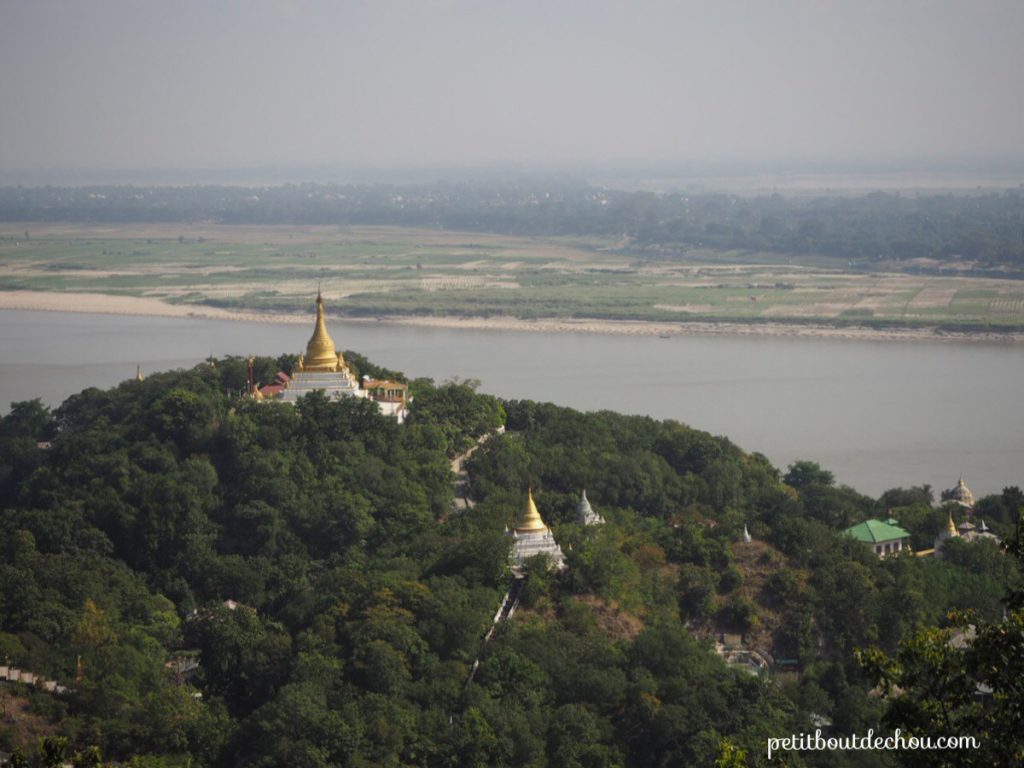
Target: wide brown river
(878, 414)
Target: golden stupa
(320, 353)
(531, 538)
(530, 520)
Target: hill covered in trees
(222, 582)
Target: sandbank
(151, 307)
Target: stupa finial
(530, 521)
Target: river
(878, 414)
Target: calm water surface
(878, 414)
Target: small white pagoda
(585, 514)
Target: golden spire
(530, 521)
(138, 373)
(253, 387)
(950, 525)
(320, 353)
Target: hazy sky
(194, 83)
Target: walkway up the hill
(461, 503)
(462, 500)
(12, 674)
(505, 611)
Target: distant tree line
(984, 230)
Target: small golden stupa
(951, 530)
(532, 537)
(530, 520)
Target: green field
(369, 271)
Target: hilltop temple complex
(323, 368)
(885, 538)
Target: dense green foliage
(965, 680)
(863, 231)
(308, 559)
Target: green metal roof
(876, 532)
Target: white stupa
(585, 514)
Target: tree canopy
(223, 582)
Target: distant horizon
(725, 174)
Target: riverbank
(151, 307)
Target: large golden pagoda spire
(530, 521)
(320, 353)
